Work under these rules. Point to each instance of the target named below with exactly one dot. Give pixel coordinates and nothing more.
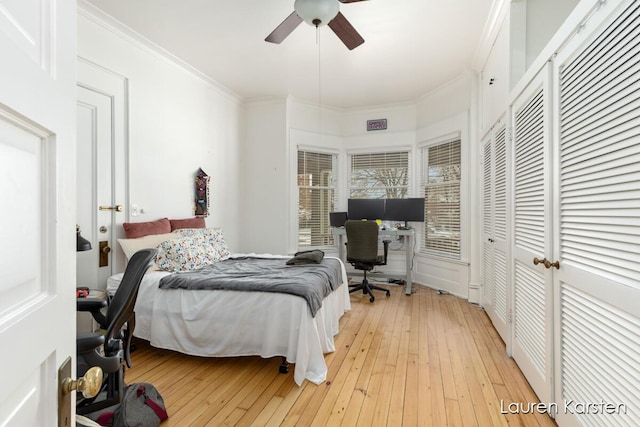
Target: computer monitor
(404, 210)
(337, 219)
(366, 208)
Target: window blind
(316, 197)
(379, 175)
(441, 183)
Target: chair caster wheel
(388, 293)
(372, 299)
(284, 366)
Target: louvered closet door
(495, 230)
(598, 283)
(487, 227)
(532, 237)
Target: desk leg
(408, 256)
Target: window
(316, 197)
(441, 183)
(379, 175)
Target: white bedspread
(232, 323)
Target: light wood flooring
(420, 360)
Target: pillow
(194, 248)
(131, 246)
(183, 254)
(133, 230)
(196, 222)
(216, 245)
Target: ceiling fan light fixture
(317, 12)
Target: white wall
(178, 122)
(495, 84)
(265, 181)
(448, 100)
(543, 19)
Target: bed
(229, 323)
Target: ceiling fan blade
(345, 31)
(284, 29)
(349, 1)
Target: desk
(340, 235)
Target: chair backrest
(121, 306)
(362, 241)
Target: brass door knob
(106, 250)
(550, 264)
(537, 261)
(89, 385)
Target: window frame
(443, 253)
(366, 190)
(334, 188)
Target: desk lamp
(82, 244)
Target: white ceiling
(411, 46)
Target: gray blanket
(313, 282)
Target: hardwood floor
(420, 360)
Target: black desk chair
(362, 252)
(111, 350)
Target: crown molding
(109, 23)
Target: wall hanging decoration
(202, 194)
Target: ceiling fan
(318, 13)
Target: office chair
(111, 350)
(362, 252)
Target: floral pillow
(195, 249)
(214, 240)
(182, 254)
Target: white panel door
(94, 186)
(598, 220)
(532, 298)
(101, 165)
(37, 219)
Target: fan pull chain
(319, 67)
(319, 79)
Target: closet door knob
(537, 261)
(550, 264)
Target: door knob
(117, 208)
(537, 261)
(549, 264)
(89, 385)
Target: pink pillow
(134, 230)
(197, 222)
